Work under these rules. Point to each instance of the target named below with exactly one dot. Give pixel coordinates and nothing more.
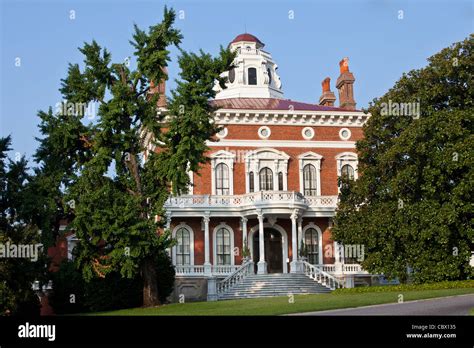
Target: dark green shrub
(409, 287)
(103, 294)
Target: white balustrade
(236, 277)
(189, 269)
(322, 277)
(188, 201)
(198, 270)
(224, 269)
(352, 268)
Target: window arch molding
(214, 242)
(349, 158)
(314, 159)
(227, 158)
(309, 226)
(276, 161)
(191, 242)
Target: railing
(189, 270)
(199, 270)
(328, 268)
(352, 268)
(236, 277)
(323, 278)
(186, 201)
(347, 268)
(224, 269)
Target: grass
(282, 305)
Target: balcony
(278, 200)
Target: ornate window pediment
(347, 159)
(310, 173)
(277, 163)
(222, 167)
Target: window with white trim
(266, 179)
(183, 247)
(310, 180)
(345, 133)
(222, 179)
(275, 161)
(310, 173)
(347, 163)
(347, 172)
(222, 167)
(252, 76)
(223, 247)
(311, 241)
(251, 182)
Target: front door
(273, 250)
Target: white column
(300, 232)
(244, 234)
(262, 265)
(294, 243)
(207, 263)
(168, 225)
(338, 257)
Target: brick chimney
(344, 84)
(327, 98)
(160, 89)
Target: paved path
(454, 305)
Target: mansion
(264, 203)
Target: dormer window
(252, 76)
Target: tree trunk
(150, 286)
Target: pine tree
(412, 204)
(114, 195)
(17, 230)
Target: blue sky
(307, 43)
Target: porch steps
(277, 284)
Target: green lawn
(282, 305)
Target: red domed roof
(248, 38)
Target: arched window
(252, 74)
(223, 252)
(251, 182)
(309, 180)
(222, 179)
(311, 241)
(232, 75)
(266, 179)
(280, 181)
(183, 248)
(347, 172)
(269, 76)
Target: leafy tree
(114, 194)
(17, 274)
(412, 205)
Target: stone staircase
(276, 284)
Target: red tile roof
(246, 37)
(270, 104)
